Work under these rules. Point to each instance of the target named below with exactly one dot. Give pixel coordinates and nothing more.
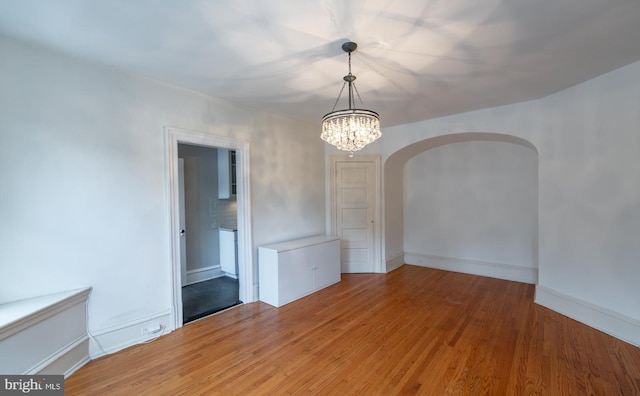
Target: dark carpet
(205, 298)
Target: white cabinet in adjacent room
(228, 252)
(294, 269)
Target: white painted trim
(482, 268)
(392, 263)
(247, 277)
(79, 355)
(66, 360)
(114, 338)
(203, 274)
(18, 315)
(611, 322)
(377, 191)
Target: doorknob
(182, 232)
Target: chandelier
(350, 129)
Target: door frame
(173, 137)
(377, 192)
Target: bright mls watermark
(42, 385)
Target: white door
(355, 213)
(182, 230)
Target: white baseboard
(613, 323)
(482, 268)
(395, 262)
(124, 335)
(76, 358)
(256, 293)
(203, 274)
(65, 361)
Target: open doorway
(210, 227)
(208, 230)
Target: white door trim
(173, 137)
(375, 159)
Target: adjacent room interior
(208, 232)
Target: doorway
(207, 228)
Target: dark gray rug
(205, 298)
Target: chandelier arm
(358, 93)
(350, 94)
(339, 95)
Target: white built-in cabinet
(293, 269)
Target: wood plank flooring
(413, 331)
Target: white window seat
(45, 334)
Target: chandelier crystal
(350, 129)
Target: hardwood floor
(413, 331)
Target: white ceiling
(416, 60)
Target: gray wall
(201, 190)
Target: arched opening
(464, 202)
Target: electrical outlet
(152, 329)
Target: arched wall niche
(395, 202)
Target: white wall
(84, 179)
(473, 201)
(589, 189)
